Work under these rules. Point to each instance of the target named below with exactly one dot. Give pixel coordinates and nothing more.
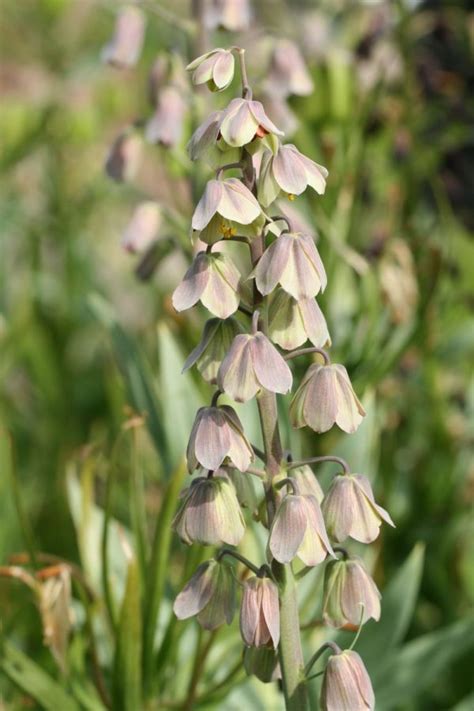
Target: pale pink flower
(291, 323)
(288, 73)
(166, 126)
(143, 227)
(217, 433)
(346, 684)
(126, 45)
(260, 613)
(290, 172)
(350, 595)
(215, 68)
(232, 15)
(230, 199)
(243, 120)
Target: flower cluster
(245, 352)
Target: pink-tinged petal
(314, 323)
(256, 108)
(299, 277)
(204, 136)
(223, 70)
(271, 610)
(249, 611)
(125, 48)
(268, 188)
(238, 125)
(207, 205)
(237, 202)
(271, 370)
(362, 482)
(212, 440)
(312, 253)
(220, 295)
(210, 329)
(338, 508)
(316, 174)
(196, 62)
(196, 594)
(285, 322)
(362, 678)
(320, 410)
(193, 285)
(359, 590)
(272, 264)
(205, 70)
(236, 376)
(350, 411)
(288, 529)
(289, 171)
(316, 521)
(340, 689)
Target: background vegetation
(86, 345)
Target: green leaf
(34, 681)
(406, 673)
(137, 373)
(127, 688)
(398, 604)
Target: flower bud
(292, 261)
(230, 199)
(350, 595)
(125, 48)
(209, 513)
(210, 352)
(346, 684)
(232, 15)
(325, 397)
(288, 73)
(260, 613)
(143, 227)
(251, 364)
(291, 323)
(290, 172)
(210, 594)
(215, 68)
(212, 279)
(298, 531)
(307, 483)
(166, 125)
(218, 433)
(349, 509)
(55, 610)
(263, 663)
(124, 156)
(243, 120)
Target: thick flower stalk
(271, 306)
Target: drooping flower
(204, 143)
(126, 45)
(288, 73)
(260, 613)
(166, 125)
(349, 509)
(209, 594)
(230, 199)
(219, 228)
(251, 364)
(243, 120)
(218, 434)
(292, 261)
(298, 531)
(143, 227)
(55, 609)
(216, 340)
(231, 15)
(212, 279)
(123, 159)
(209, 513)
(346, 684)
(290, 172)
(291, 323)
(215, 68)
(307, 483)
(350, 595)
(324, 398)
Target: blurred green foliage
(85, 345)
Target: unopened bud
(260, 613)
(346, 684)
(215, 68)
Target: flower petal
(236, 376)
(193, 285)
(289, 170)
(270, 368)
(288, 529)
(237, 202)
(207, 205)
(223, 70)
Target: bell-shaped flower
(212, 279)
(126, 45)
(243, 120)
(143, 227)
(56, 613)
(231, 15)
(228, 198)
(324, 398)
(307, 483)
(346, 684)
(251, 364)
(292, 261)
(350, 595)
(288, 73)
(204, 143)
(290, 172)
(124, 157)
(349, 509)
(298, 531)
(216, 340)
(215, 68)
(209, 513)
(260, 613)
(166, 125)
(263, 663)
(209, 594)
(218, 434)
(219, 228)
(291, 323)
